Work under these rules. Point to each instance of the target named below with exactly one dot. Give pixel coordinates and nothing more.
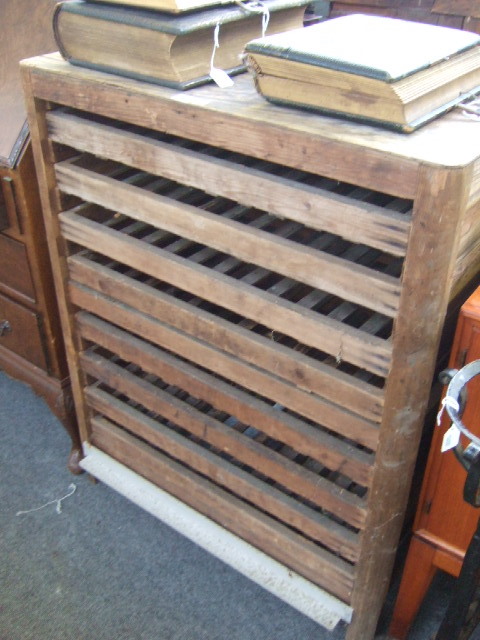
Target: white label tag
(451, 438)
(221, 78)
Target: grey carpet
(103, 569)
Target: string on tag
(72, 488)
(470, 109)
(450, 402)
(257, 6)
(219, 76)
(265, 20)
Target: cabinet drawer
(14, 267)
(22, 335)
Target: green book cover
(385, 49)
(173, 50)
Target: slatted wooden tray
(247, 333)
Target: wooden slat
(474, 195)
(292, 137)
(356, 283)
(258, 350)
(307, 439)
(356, 221)
(291, 549)
(467, 268)
(290, 475)
(269, 310)
(309, 522)
(325, 384)
(211, 358)
(344, 459)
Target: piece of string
(339, 356)
(219, 76)
(450, 402)
(72, 488)
(255, 7)
(470, 109)
(215, 44)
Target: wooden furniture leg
(463, 613)
(417, 577)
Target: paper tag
(451, 438)
(221, 78)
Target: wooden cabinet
(252, 299)
(31, 341)
(444, 523)
(447, 13)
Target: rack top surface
(452, 140)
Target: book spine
(56, 32)
(253, 66)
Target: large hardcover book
(393, 72)
(168, 49)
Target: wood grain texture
(329, 273)
(250, 130)
(165, 317)
(301, 481)
(44, 157)
(366, 351)
(236, 516)
(314, 207)
(307, 439)
(414, 356)
(289, 510)
(366, 398)
(336, 455)
(305, 403)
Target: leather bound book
(392, 72)
(164, 48)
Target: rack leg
(463, 613)
(416, 579)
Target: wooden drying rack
(252, 299)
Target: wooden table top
(240, 119)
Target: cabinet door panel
(446, 515)
(20, 332)
(14, 267)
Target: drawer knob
(5, 327)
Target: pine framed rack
(252, 300)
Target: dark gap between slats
(257, 508)
(251, 432)
(328, 243)
(296, 292)
(334, 186)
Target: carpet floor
(94, 566)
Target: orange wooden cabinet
(444, 523)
